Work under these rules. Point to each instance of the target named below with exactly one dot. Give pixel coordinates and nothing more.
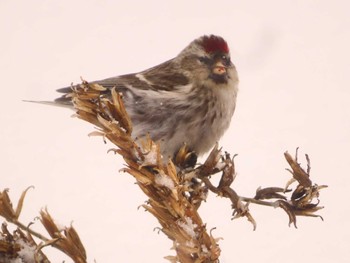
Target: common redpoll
(188, 99)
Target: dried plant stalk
(168, 194)
(175, 189)
(21, 245)
(175, 194)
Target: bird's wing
(159, 78)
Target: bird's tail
(56, 103)
(63, 101)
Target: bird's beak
(219, 68)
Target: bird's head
(207, 60)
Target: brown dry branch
(175, 189)
(175, 194)
(21, 245)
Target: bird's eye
(226, 59)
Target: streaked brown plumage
(188, 99)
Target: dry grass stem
(176, 193)
(175, 188)
(171, 199)
(21, 244)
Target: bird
(189, 99)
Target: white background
(293, 62)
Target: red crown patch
(212, 44)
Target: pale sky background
(293, 62)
